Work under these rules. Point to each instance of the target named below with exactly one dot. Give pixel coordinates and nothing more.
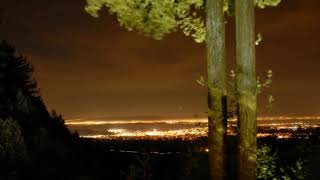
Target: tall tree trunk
(217, 101)
(246, 89)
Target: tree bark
(217, 101)
(246, 89)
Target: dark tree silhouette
(25, 121)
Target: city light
(281, 127)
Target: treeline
(33, 142)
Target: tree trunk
(217, 101)
(246, 89)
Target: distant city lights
(281, 127)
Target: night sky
(89, 67)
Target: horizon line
(79, 121)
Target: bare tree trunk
(246, 89)
(217, 101)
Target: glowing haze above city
(99, 69)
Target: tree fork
(246, 89)
(217, 101)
